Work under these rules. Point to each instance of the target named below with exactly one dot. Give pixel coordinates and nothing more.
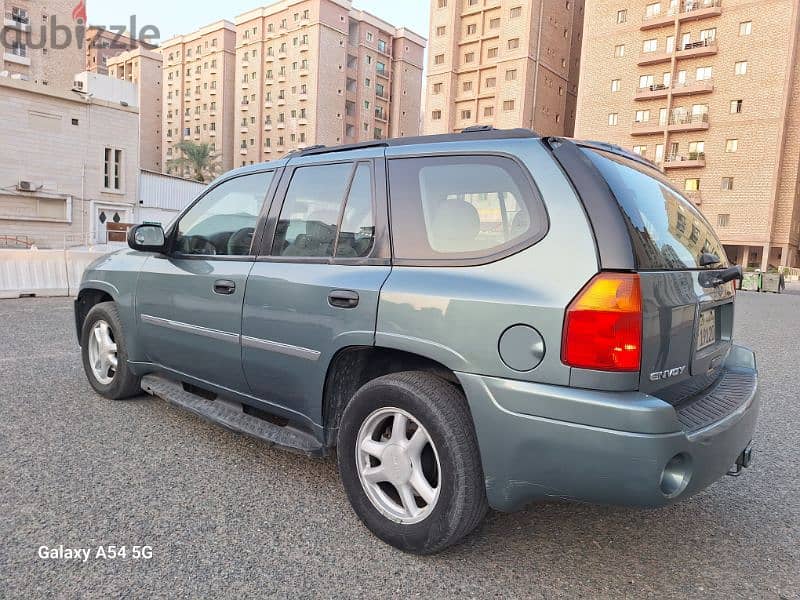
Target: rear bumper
(541, 442)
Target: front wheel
(105, 356)
(409, 460)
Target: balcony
(689, 10)
(269, 58)
(281, 125)
(243, 151)
(269, 81)
(305, 72)
(380, 116)
(281, 102)
(17, 21)
(17, 59)
(304, 46)
(268, 127)
(384, 73)
(647, 127)
(698, 49)
(244, 129)
(693, 160)
(688, 122)
(302, 121)
(245, 105)
(704, 86)
(302, 97)
(268, 104)
(654, 58)
(658, 90)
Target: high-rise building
(198, 94)
(101, 45)
(708, 90)
(505, 63)
(144, 69)
(320, 72)
(41, 41)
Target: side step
(232, 417)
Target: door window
(222, 222)
(314, 220)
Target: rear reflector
(603, 325)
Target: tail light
(603, 325)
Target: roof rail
(618, 150)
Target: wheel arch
(354, 366)
(88, 298)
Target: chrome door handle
(343, 299)
(224, 287)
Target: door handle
(343, 299)
(224, 287)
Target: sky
(175, 17)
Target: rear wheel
(410, 464)
(105, 356)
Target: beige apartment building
(321, 72)
(143, 68)
(505, 63)
(68, 165)
(199, 93)
(710, 91)
(102, 45)
(41, 42)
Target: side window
(309, 224)
(461, 207)
(223, 222)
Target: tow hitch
(745, 460)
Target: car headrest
(455, 226)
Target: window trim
(172, 236)
(463, 259)
(380, 254)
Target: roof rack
(618, 150)
(475, 132)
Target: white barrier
(42, 273)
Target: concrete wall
(42, 273)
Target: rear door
(687, 320)
(314, 289)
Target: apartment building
(321, 72)
(199, 93)
(101, 45)
(143, 68)
(709, 91)
(40, 41)
(68, 164)
(505, 63)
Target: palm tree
(199, 158)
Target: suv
(475, 320)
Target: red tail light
(603, 325)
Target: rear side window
(667, 232)
(462, 208)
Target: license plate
(707, 332)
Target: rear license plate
(707, 332)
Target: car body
(288, 319)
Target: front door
(189, 303)
(315, 291)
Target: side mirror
(147, 238)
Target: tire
(451, 460)
(121, 383)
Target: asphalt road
(226, 516)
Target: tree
(199, 158)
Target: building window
(727, 183)
(436, 115)
(613, 118)
(508, 105)
(691, 185)
(708, 35)
(659, 153)
(516, 12)
(511, 75)
(467, 86)
(469, 57)
(622, 16)
(441, 30)
(472, 29)
(652, 10)
(703, 73)
(491, 82)
(740, 68)
(513, 44)
(732, 145)
(494, 23)
(640, 150)
(736, 106)
(438, 59)
(492, 52)
(616, 85)
(723, 220)
(442, 3)
(650, 45)
(112, 169)
(619, 50)
(488, 111)
(642, 116)
(437, 88)
(745, 28)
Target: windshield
(667, 232)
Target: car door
(315, 289)
(189, 301)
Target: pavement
(226, 516)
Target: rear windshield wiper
(716, 279)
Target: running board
(231, 416)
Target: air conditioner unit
(26, 186)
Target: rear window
(667, 231)
(462, 207)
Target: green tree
(198, 158)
